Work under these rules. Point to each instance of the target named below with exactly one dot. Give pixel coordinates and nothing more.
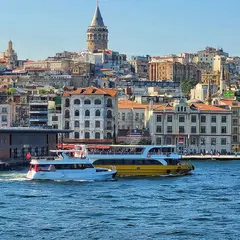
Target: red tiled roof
(204, 107)
(125, 104)
(228, 102)
(91, 91)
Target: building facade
(132, 115)
(97, 33)
(91, 112)
(175, 71)
(7, 114)
(38, 110)
(193, 127)
(139, 66)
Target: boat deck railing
(131, 153)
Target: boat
(69, 165)
(140, 160)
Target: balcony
(109, 105)
(109, 117)
(109, 128)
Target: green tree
(11, 91)
(186, 85)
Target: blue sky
(40, 28)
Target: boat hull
(150, 170)
(70, 176)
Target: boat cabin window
(52, 168)
(73, 166)
(172, 161)
(127, 162)
(163, 150)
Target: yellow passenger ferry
(140, 160)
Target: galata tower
(97, 33)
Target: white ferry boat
(140, 160)
(69, 165)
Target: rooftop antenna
(97, 3)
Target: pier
(210, 157)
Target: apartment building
(7, 114)
(91, 112)
(194, 127)
(38, 110)
(234, 106)
(132, 115)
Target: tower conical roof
(97, 20)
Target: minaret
(222, 81)
(209, 94)
(97, 33)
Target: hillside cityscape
(107, 97)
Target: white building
(196, 127)
(132, 115)
(7, 114)
(91, 112)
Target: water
(204, 205)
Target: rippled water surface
(204, 205)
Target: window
(137, 117)
(109, 114)
(97, 124)
(86, 135)
(213, 141)
(54, 118)
(203, 129)
(235, 139)
(76, 101)
(87, 124)
(213, 119)
(97, 113)
(67, 114)
(109, 125)
(181, 118)
(123, 116)
(109, 102)
(235, 121)
(76, 113)
(87, 102)
(4, 110)
(202, 141)
(97, 135)
(76, 124)
(223, 141)
(224, 119)
(213, 129)
(193, 141)
(109, 135)
(169, 118)
(97, 102)
(235, 130)
(76, 135)
(193, 129)
(169, 129)
(159, 118)
(158, 141)
(87, 113)
(223, 129)
(181, 129)
(168, 141)
(193, 118)
(203, 119)
(235, 113)
(159, 129)
(67, 102)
